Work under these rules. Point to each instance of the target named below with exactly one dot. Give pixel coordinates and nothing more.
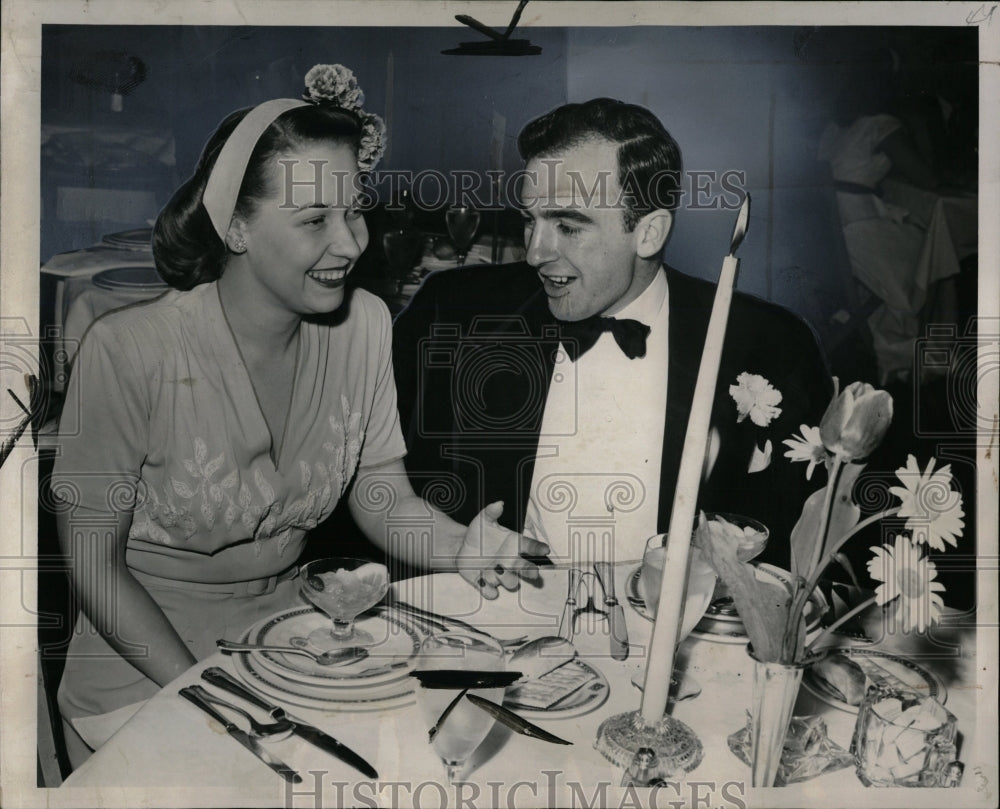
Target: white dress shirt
(595, 487)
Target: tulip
(856, 421)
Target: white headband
(223, 186)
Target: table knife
(616, 615)
(243, 738)
(325, 742)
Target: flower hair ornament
(324, 84)
(335, 84)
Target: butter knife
(243, 737)
(616, 615)
(222, 679)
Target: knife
(222, 679)
(243, 737)
(616, 615)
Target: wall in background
(754, 100)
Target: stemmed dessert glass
(458, 726)
(343, 588)
(463, 222)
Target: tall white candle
(668, 615)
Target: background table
(170, 753)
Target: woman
(222, 421)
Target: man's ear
(651, 233)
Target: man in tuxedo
(562, 385)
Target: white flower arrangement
(853, 425)
(336, 84)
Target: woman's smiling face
(305, 237)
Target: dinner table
(172, 754)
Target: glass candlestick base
(676, 746)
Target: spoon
(348, 654)
(540, 656)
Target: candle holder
(678, 749)
(676, 746)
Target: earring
(238, 244)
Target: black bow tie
(580, 335)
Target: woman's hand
(490, 556)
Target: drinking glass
(403, 249)
(343, 588)
(466, 725)
(700, 582)
(462, 221)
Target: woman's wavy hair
(186, 248)
(649, 159)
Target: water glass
(465, 726)
(700, 582)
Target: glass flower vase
(775, 689)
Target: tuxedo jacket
(473, 356)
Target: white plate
(726, 627)
(378, 698)
(589, 697)
(396, 640)
(891, 667)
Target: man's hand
(490, 556)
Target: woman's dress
(161, 414)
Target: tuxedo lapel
(688, 325)
(535, 353)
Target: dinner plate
(129, 278)
(589, 697)
(387, 696)
(396, 641)
(895, 669)
(720, 623)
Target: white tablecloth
(172, 754)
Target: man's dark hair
(649, 159)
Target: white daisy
(933, 510)
(908, 575)
(755, 397)
(807, 447)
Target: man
(502, 397)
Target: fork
(257, 728)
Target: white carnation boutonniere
(759, 399)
